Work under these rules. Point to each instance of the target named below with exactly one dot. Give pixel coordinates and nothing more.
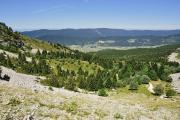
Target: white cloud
(50, 9)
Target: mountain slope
(120, 36)
(100, 32)
(122, 77)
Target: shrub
(70, 84)
(159, 90)
(170, 92)
(118, 116)
(102, 92)
(145, 79)
(164, 77)
(50, 88)
(133, 85)
(54, 81)
(70, 107)
(14, 102)
(153, 75)
(120, 83)
(138, 79)
(177, 70)
(169, 79)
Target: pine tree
(82, 82)
(9, 63)
(2, 59)
(44, 53)
(54, 81)
(92, 83)
(21, 58)
(38, 54)
(80, 71)
(33, 62)
(70, 84)
(108, 83)
(161, 71)
(153, 75)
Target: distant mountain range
(119, 36)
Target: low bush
(50, 88)
(170, 93)
(71, 107)
(159, 90)
(14, 102)
(102, 92)
(70, 84)
(145, 79)
(133, 85)
(118, 116)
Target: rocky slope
(176, 76)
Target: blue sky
(58, 14)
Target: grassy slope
(38, 44)
(71, 64)
(146, 99)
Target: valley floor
(96, 47)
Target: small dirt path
(176, 81)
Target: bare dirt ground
(150, 88)
(34, 51)
(29, 81)
(173, 58)
(176, 81)
(24, 98)
(175, 77)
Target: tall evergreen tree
(9, 63)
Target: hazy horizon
(24, 30)
(61, 14)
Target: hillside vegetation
(55, 82)
(144, 54)
(72, 69)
